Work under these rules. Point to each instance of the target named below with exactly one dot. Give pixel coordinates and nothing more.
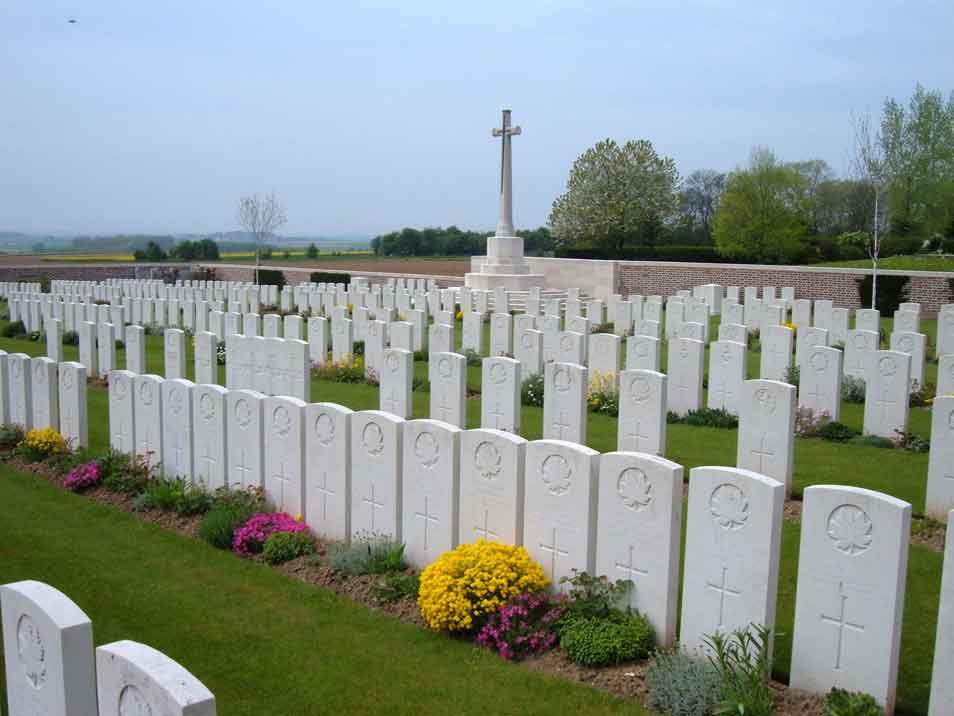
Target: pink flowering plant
(250, 538)
(83, 476)
(525, 626)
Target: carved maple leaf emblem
(850, 528)
(729, 506)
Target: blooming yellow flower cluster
(44, 442)
(459, 315)
(789, 324)
(472, 581)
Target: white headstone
(942, 686)
(284, 428)
(642, 412)
(726, 374)
(44, 388)
(135, 347)
(440, 338)
(4, 389)
(397, 374)
(940, 482)
(528, 349)
(122, 434)
(685, 369)
(560, 507)
(54, 340)
(147, 404)
(500, 394)
(642, 352)
(733, 538)
(211, 449)
(945, 375)
(886, 398)
(135, 679)
(328, 463)
(850, 595)
(447, 373)
(431, 490)
(776, 356)
(819, 387)
(174, 354)
(88, 354)
(868, 319)
(48, 652)
(915, 345)
(376, 457)
(639, 534)
(767, 430)
(342, 339)
(472, 337)
(945, 330)
(570, 348)
(564, 402)
(19, 376)
(501, 334)
(244, 431)
(177, 428)
(206, 360)
(491, 486)
(73, 423)
(604, 353)
(859, 351)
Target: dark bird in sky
(72, 21)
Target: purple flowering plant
(250, 538)
(83, 476)
(525, 626)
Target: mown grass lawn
(263, 643)
(918, 262)
(895, 472)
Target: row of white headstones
(431, 485)
(52, 669)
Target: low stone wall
(90, 272)
(294, 275)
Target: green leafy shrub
(473, 358)
(125, 473)
(281, 547)
(911, 442)
(892, 292)
(601, 641)
(395, 586)
(793, 375)
(11, 435)
(369, 554)
(531, 392)
(922, 395)
(358, 348)
(706, 417)
(330, 277)
(853, 389)
(839, 702)
(593, 597)
(175, 495)
(14, 329)
(742, 661)
(270, 277)
(683, 685)
(837, 432)
(230, 509)
(70, 338)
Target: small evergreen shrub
(683, 685)
(742, 662)
(369, 554)
(873, 441)
(281, 547)
(125, 473)
(837, 432)
(706, 417)
(593, 597)
(14, 330)
(601, 641)
(270, 277)
(922, 395)
(11, 435)
(839, 702)
(230, 509)
(395, 586)
(330, 277)
(531, 392)
(911, 442)
(793, 375)
(853, 389)
(892, 292)
(70, 338)
(474, 359)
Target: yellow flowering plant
(41, 444)
(469, 583)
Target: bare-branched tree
(871, 168)
(261, 216)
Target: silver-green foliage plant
(742, 661)
(682, 684)
(853, 389)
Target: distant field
(278, 256)
(901, 263)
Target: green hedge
(330, 277)
(271, 277)
(892, 292)
(705, 254)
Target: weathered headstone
(472, 338)
(639, 532)
(560, 507)
(859, 351)
(20, 391)
(88, 354)
(564, 402)
(501, 334)
(135, 679)
(48, 652)
(376, 446)
(528, 349)
(733, 539)
(850, 594)
(868, 319)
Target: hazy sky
(369, 116)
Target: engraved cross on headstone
(427, 517)
(555, 553)
(723, 589)
(762, 453)
(374, 505)
(483, 531)
(842, 623)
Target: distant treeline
(453, 241)
(202, 250)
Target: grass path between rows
(264, 643)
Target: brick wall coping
(778, 267)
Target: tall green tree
(616, 196)
(762, 214)
(699, 199)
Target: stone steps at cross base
(518, 299)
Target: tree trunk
(875, 252)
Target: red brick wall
(931, 290)
(90, 272)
